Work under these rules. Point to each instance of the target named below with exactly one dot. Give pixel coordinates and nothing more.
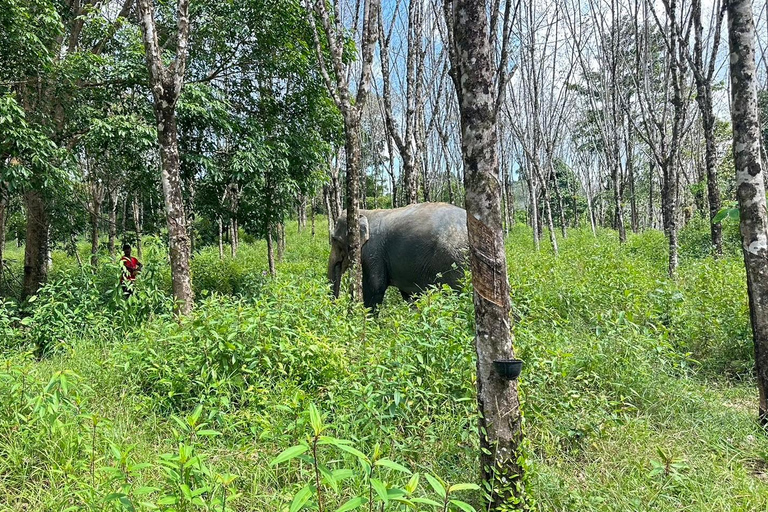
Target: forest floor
(638, 391)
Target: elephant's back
(425, 240)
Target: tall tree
(166, 82)
(337, 76)
(750, 182)
(500, 419)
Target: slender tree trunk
(221, 237)
(534, 218)
(633, 214)
(550, 222)
(3, 216)
(95, 216)
(500, 423)
(750, 182)
(137, 205)
(618, 199)
(328, 208)
(312, 216)
(112, 222)
(232, 238)
(651, 176)
(270, 253)
(36, 248)
(559, 198)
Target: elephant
(409, 248)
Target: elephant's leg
(374, 287)
(407, 296)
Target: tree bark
(97, 198)
(221, 237)
(500, 424)
(112, 228)
(703, 75)
(137, 224)
(36, 248)
(270, 253)
(750, 181)
(166, 83)
(3, 216)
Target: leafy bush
(230, 352)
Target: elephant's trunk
(336, 279)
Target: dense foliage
(637, 389)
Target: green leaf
(436, 485)
(380, 489)
(463, 487)
(352, 504)
(301, 498)
(412, 484)
(315, 419)
(466, 507)
(289, 453)
(354, 451)
(393, 465)
(427, 501)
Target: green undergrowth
(638, 391)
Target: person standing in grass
(132, 267)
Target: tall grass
(638, 391)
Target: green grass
(638, 391)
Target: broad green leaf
(463, 487)
(393, 465)
(427, 501)
(352, 504)
(466, 507)
(380, 488)
(436, 485)
(301, 498)
(289, 453)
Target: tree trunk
(95, 216)
(633, 214)
(500, 423)
(750, 182)
(232, 238)
(312, 216)
(112, 222)
(174, 208)
(534, 217)
(352, 145)
(137, 224)
(328, 208)
(3, 216)
(270, 253)
(36, 248)
(221, 237)
(166, 83)
(618, 199)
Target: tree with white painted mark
(750, 182)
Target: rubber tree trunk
(3, 216)
(497, 399)
(750, 182)
(221, 238)
(174, 207)
(352, 146)
(95, 215)
(36, 248)
(270, 253)
(112, 228)
(137, 225)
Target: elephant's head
(338, 262)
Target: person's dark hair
(126, 247)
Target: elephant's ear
(365, 232)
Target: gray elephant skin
(410, 248)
